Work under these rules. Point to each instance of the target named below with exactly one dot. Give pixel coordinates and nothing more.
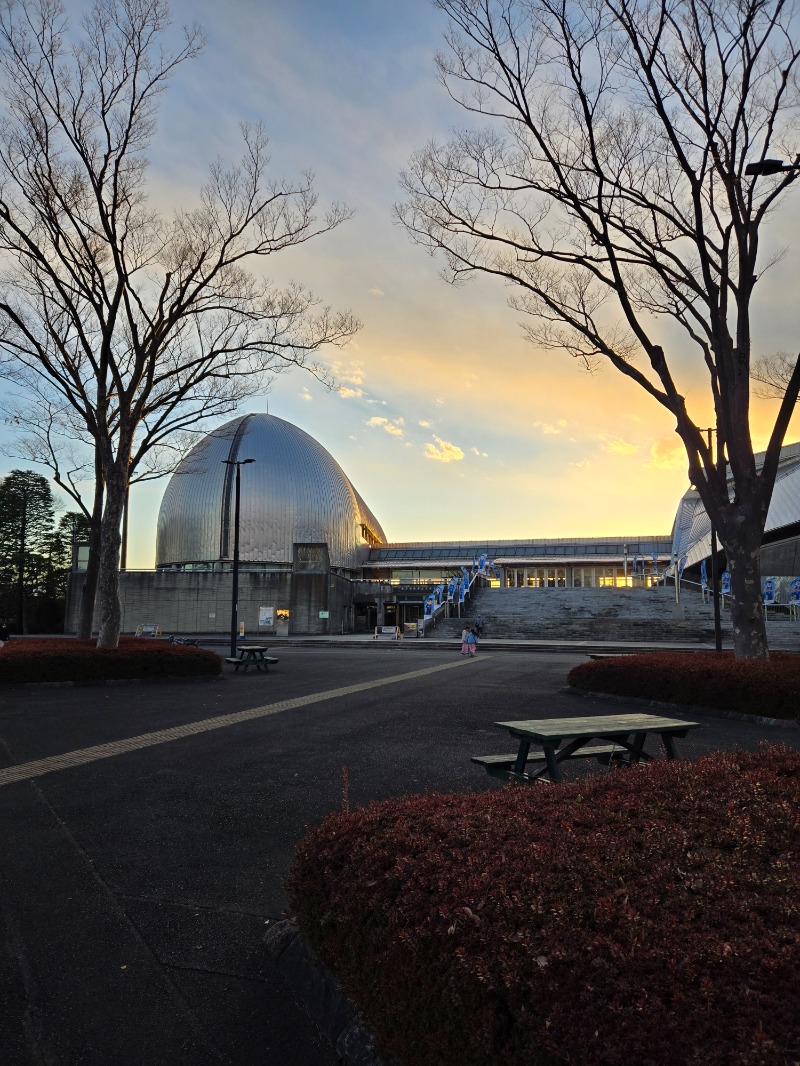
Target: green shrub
(79, 660)
(647, 916)
(705, 679)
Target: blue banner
(703, 575)
(725, 584)
(769, 590)
(794, 590)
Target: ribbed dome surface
(294, 492)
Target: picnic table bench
(254, 655)
(562, 739)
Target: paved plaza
(146, 830)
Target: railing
(429, 621)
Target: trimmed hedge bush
(647, 916)
(706, 679)
(79, 660)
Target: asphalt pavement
(146, 831)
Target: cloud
(621, 447)
(617, 445)
(443, 451)
(477, 451)
(550, 428)
(439, 403)
(348, 393)
(425, 425)
(376, 292)
(667, 453)
(306, 395)
(393, 428)
(351, 373)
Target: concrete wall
(782, 558)
(185, 601)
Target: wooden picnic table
(561, 739)
(254, 655)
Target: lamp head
(767, 166)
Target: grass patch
(704, 679)
(648, 916)
(24, 661)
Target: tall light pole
(238, 463)
(714, 577)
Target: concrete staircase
(604, 614)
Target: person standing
(464, 645)
(472, 642)
(479, 627)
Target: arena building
(314, 559)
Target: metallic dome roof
(295, 492)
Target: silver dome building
(304, 536)
(294, 493)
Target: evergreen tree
(26, 531)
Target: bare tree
(50, 433)
(611, 191)
(139, 325)
(772, 374)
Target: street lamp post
(238, 463)
(714, 578)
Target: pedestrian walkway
(149, 830)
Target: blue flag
(703, 575)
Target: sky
(448, 422)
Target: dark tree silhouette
(26, 528)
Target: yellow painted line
(28, 770)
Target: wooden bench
(260, 662)
(502, 766)
(622, 739)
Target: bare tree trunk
(109, 606)
(747, 607)
(86, 618)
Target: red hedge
(648, 916)
(706, 679)
(79, 660)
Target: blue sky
(447, 421)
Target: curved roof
(692, 532)
(294, 492)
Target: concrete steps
(599, 614)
